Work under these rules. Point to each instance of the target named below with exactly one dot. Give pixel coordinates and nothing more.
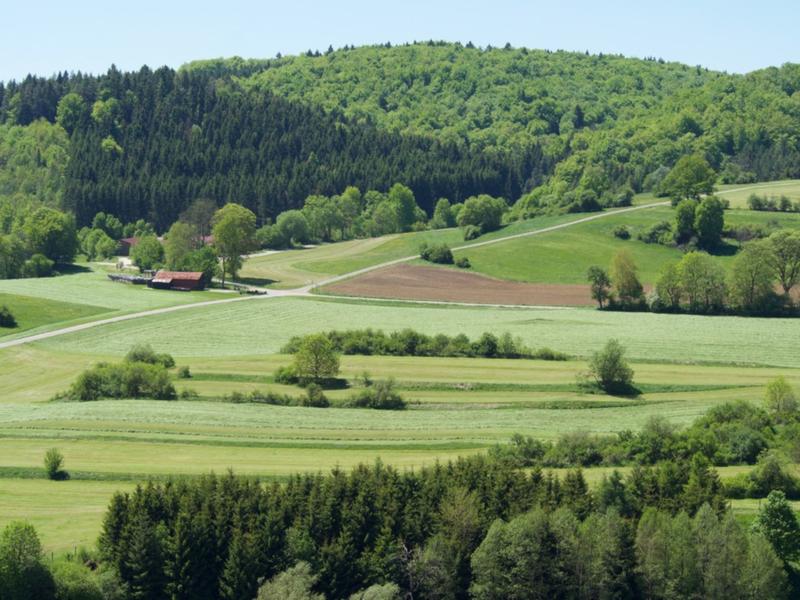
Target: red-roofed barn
(184, 281)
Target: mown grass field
(738, 194)
(457, 406)
(263, 325)
(32, 313)
(295, 268)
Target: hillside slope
(445, 119)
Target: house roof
(130, 241)
(169, 276)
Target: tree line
(761, 281)
(470, 528)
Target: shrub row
(408, 342)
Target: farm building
(184, 281)
(125, 245)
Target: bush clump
(472, 232)
(6, 318)
(144, 353)
(380, 395)
(658, 233)
(126, 380)
(184, 372)
(610, 371)
(440, 254)
(462, 262)
(53, 465)
(622, 232)
(314, 397)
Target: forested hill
(445, 119)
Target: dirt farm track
(416, 282)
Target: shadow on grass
(257, 281)
(617, 391)
(725, 249)
(71, 269)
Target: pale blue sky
(89, 35)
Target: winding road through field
(307, 290)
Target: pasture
(295, 268)
(564, 256)
(458, 406)
(33, 313)
(263, 325)
(737, 195)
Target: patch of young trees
(732, 433)
(408, 342)
(142, 374)
(33, 242)
(772, 203)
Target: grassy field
(296, 268)
(457, 406)
(263, 325)
(33, 313)
(738, 194)
(564, 256)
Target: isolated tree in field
(53, 463)
(610, 370)
(751, 280)
(781, 399)
(148, 253)
(669, 287)
(709, 221)
(691, 177)
(626, 282)
(785, 258)
(600, 284)
(777, 522)
(316, 358)
(234, 235)
(181, 240)
(684, 220)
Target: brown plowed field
(416, 282)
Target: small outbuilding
(125, 245)
(184, 281)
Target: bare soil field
(417, 282)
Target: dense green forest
(558, 129)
